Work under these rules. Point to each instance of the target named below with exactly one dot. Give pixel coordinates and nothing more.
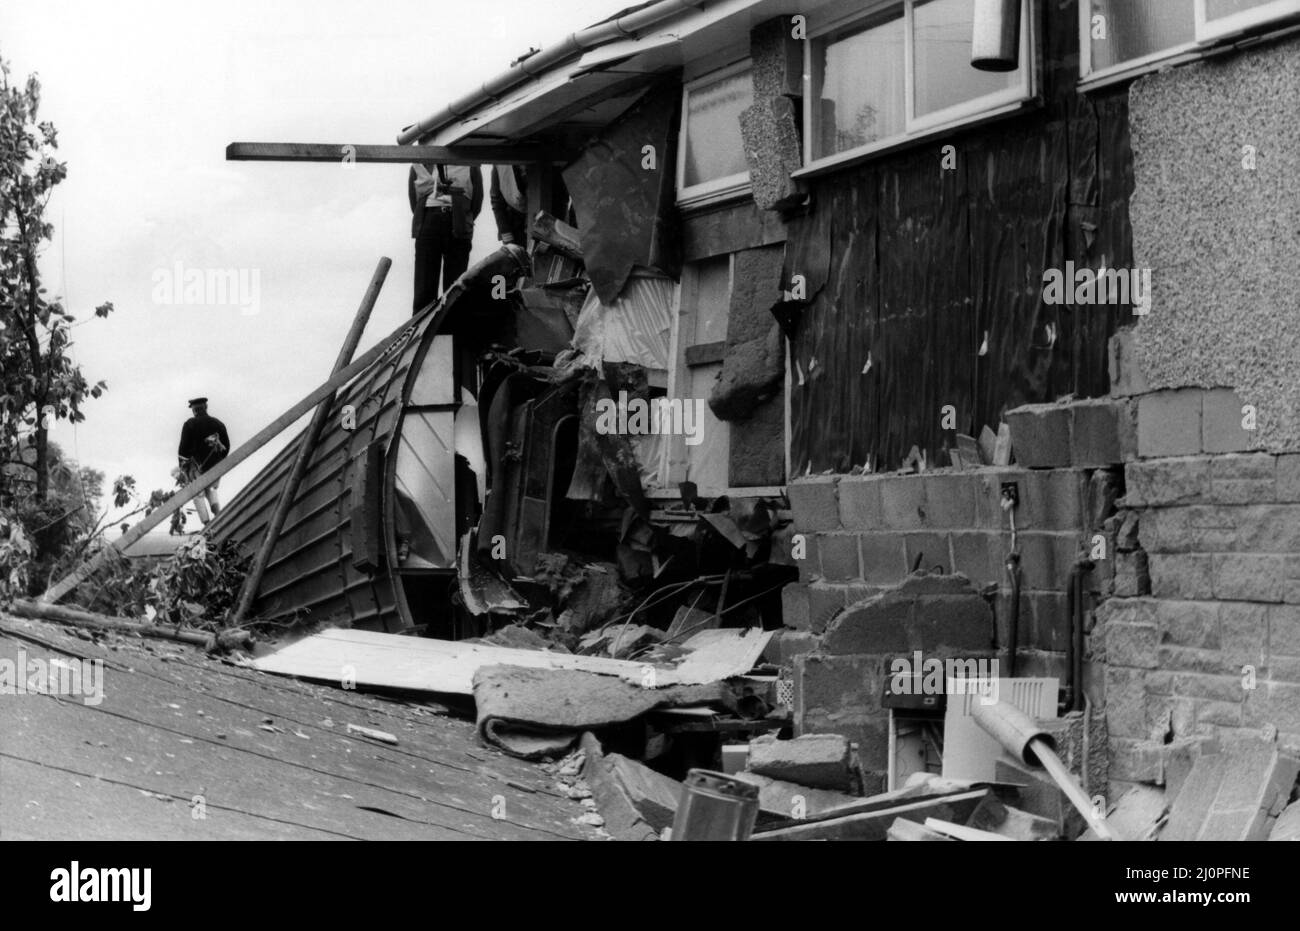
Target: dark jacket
(417, 204)
(508, 219)
(194, 441)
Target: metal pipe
(574, 44)
(1013, 617)
(1074, 646)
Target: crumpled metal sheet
(634, 327)
(627, 214)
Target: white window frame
(1206, 33)
(717, 189)
(1209, 31)
(991, 105)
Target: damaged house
(823, 330)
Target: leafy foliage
(39, 383)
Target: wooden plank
(391, 154)
(729, 229)
(75, 618)
(446, 666)
(186, 494)
(706, 353)
(873, 825)
(306, 447)
(960, 831)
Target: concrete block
(1167, 482)
(884, 559)
(791, 800)
(1126, 376)
(1193, 624)
(934, 614)
(1283, 631)
(1051, 500)
(1221, 419)
(927, 550)
(838, 555)
(1040, 435)
(950, 500)
(979, 556)
(836, 687)
(1132, 575)
(822, 761)
(792, 643)
(1125, 702)
(1169, 423)
(1233, 795)
(1249, 576)
(1243, 633)
(1102, 432)
(1046, 558)
(1184, 576)
(814, 502)
(903, 502)
(825, 600)
(1288, 478)
(1135, 645)
(860, 503)
(1050, 612)
(794, 606)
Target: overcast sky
(145, 97)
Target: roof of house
(584, 81)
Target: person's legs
(455, 260)
(428, 262)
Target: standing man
(509, 199)
(445, 201)
(204, 443)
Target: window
(711, 162)
(898, 72)
(1121, 38)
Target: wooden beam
(271, 536)
(186, 494)
(343, 153)
(61, 615)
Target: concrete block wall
(1205, 642)
(863, 533)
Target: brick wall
(1207, 639)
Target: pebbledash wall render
(1189, 471)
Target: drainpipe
(1010, 498)
(1074, 649)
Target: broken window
(711, 156)
(901, 70)
(1121, 38)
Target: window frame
(715, 190)
(989, 106)
(1206, 34)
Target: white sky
(146, 96)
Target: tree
(38, 381)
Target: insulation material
(634, 327)
(623, 189)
